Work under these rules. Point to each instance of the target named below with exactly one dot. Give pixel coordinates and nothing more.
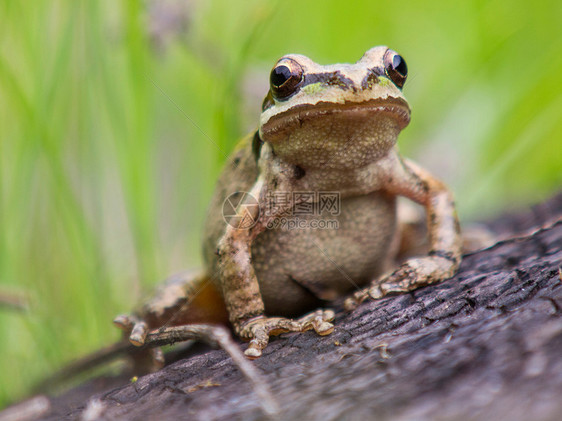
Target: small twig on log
(214, 335)
(218, 336)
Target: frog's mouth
(395, 109)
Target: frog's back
(238, 176)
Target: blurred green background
(115, 117)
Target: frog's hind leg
(144, 360)
(183, 299)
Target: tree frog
(305, 211)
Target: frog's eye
(395, 67)
(285, 78)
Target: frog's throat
(395, 108)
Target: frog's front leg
(406, 178)
(241, 291)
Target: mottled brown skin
(323, 128)
(202, 299)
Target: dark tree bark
(484, 345)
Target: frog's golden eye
(285, 78)
(395, 67)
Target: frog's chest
(312, 256)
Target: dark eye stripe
(329, 78)
(372, 77)
(332, 79)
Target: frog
(326, 144)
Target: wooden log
(486, 344)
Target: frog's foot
(259, 329)
(412, 274)
(145, 360)
(137, 328)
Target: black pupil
(399, 65)
(280, 75)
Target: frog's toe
(253, 351)
(319, 321)
(137, 328)
(351, 303)
(324, 328)
(124, 322)
(138, 333)
(260, 338)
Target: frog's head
(340, 115)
